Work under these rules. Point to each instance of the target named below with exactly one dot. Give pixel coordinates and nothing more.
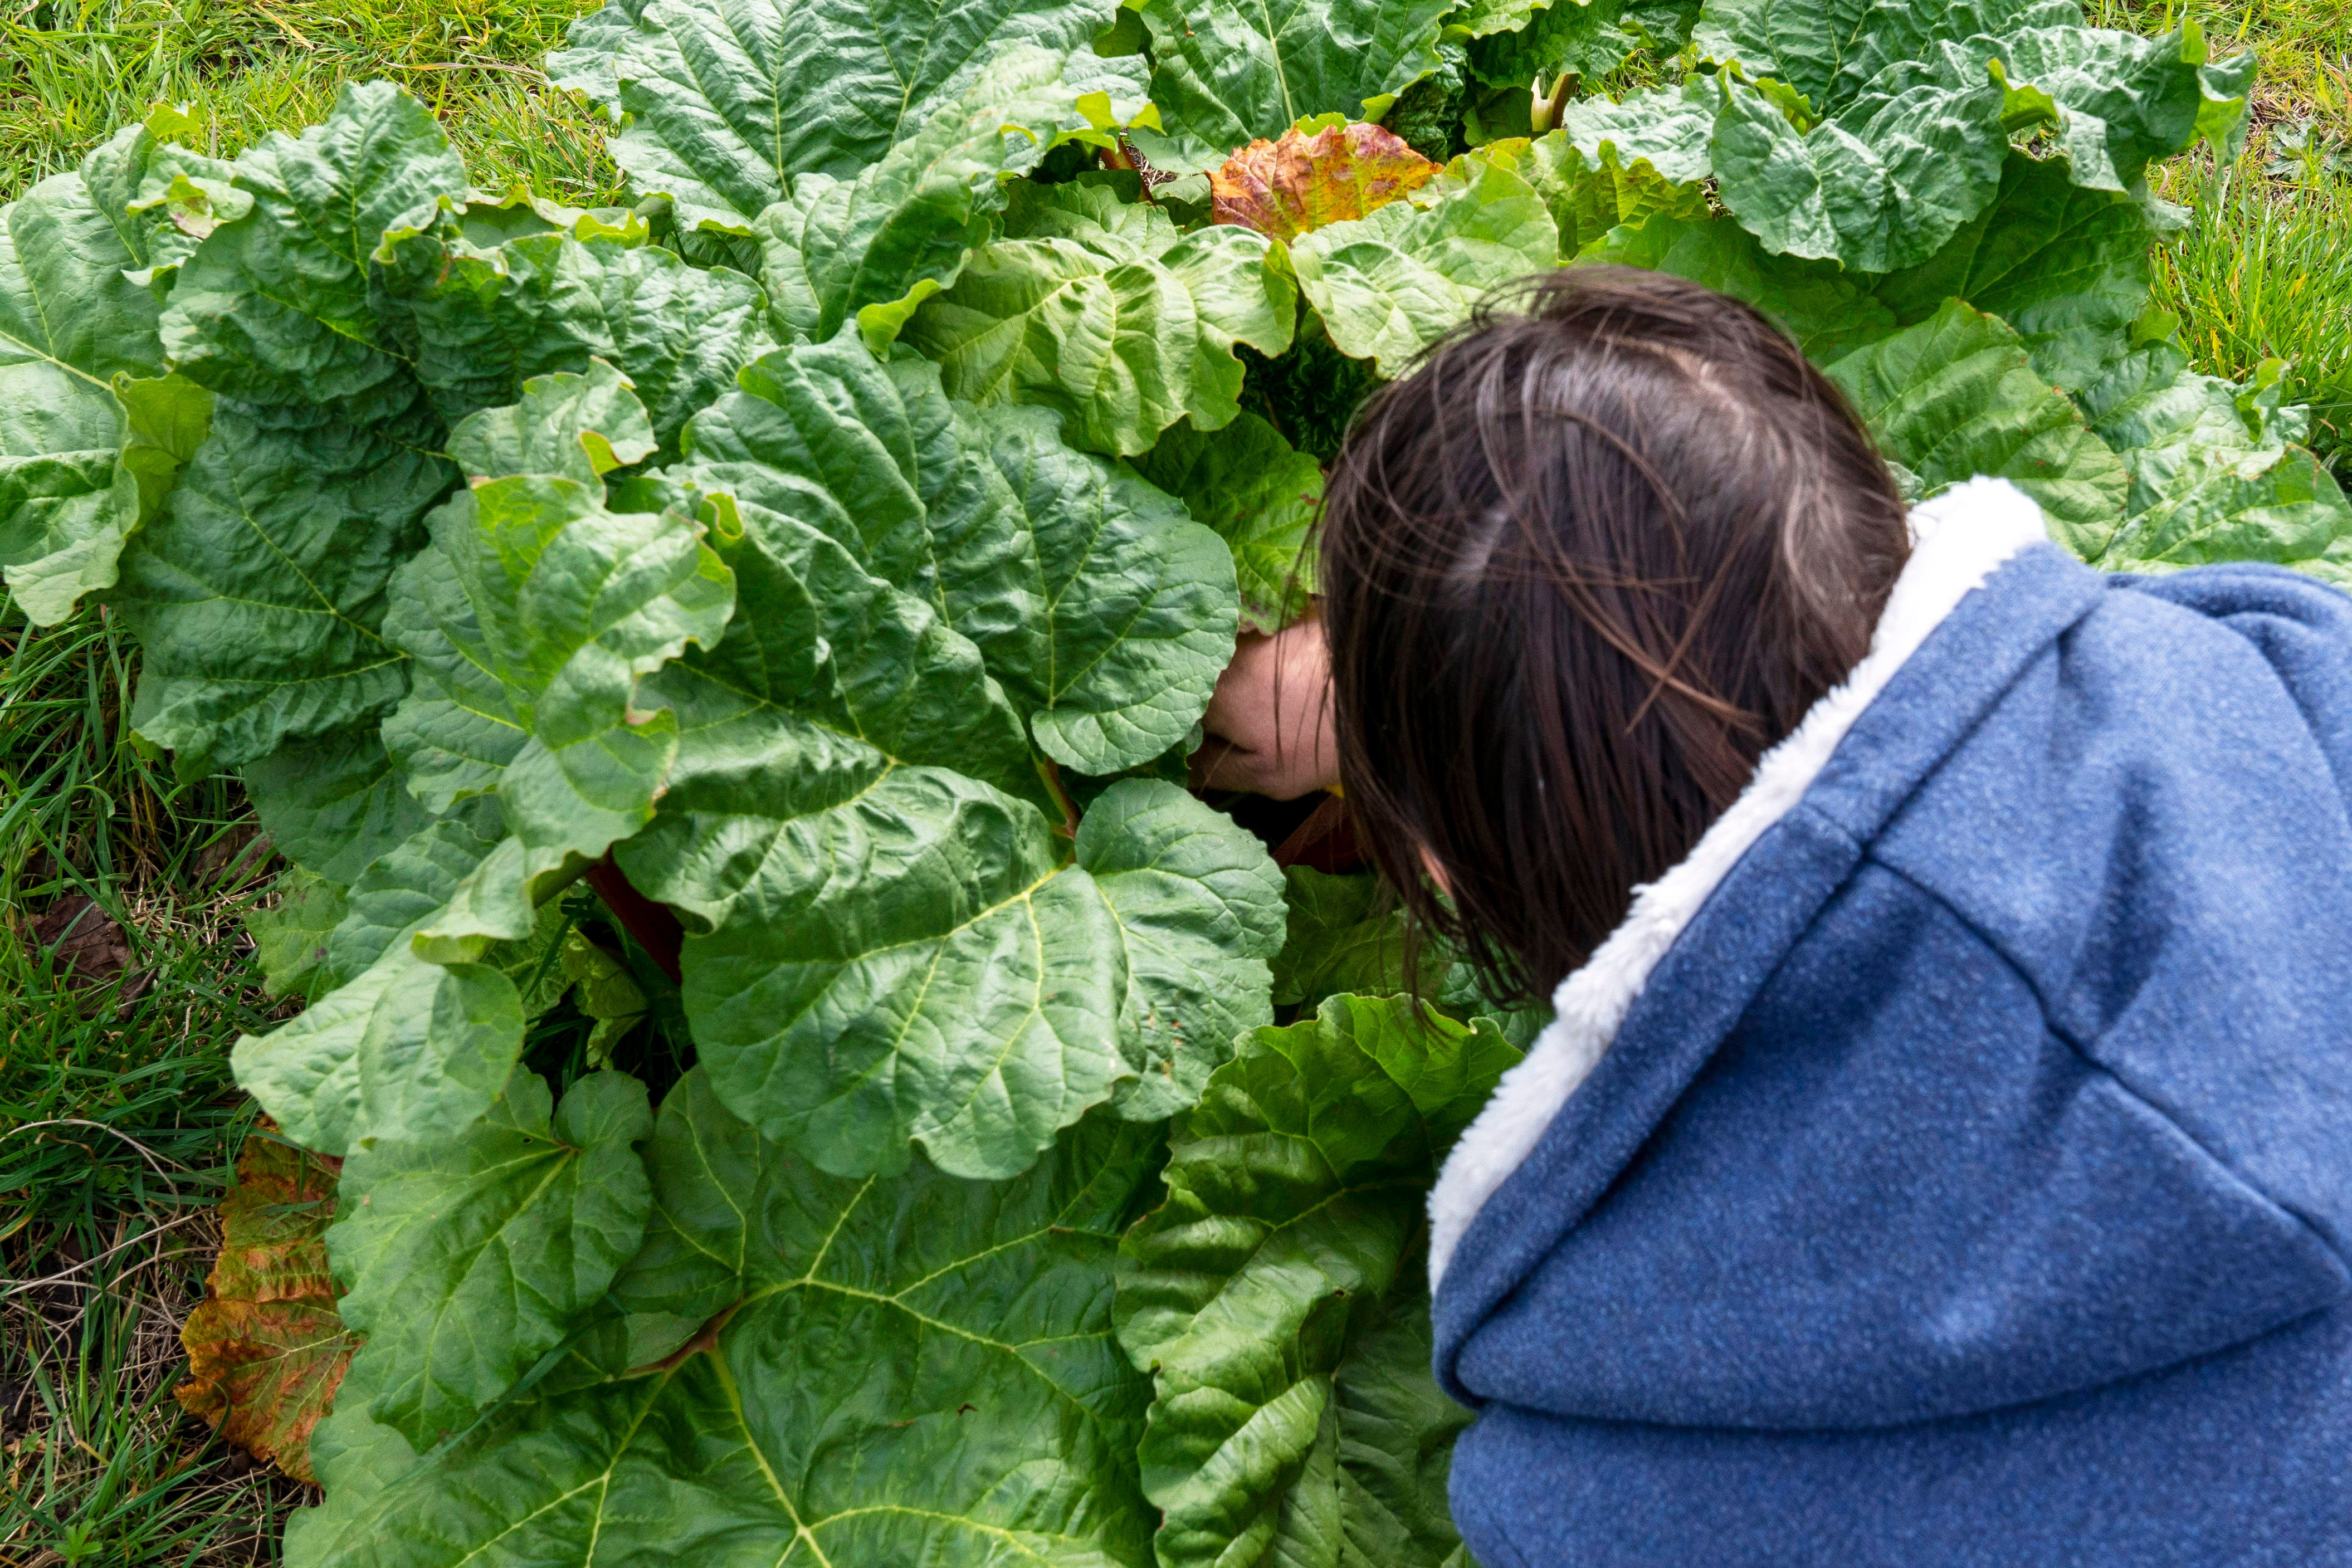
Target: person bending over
(1941, 1152)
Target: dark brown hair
(1582, 569)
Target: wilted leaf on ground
(89, 945)
(267, 1348)
(1282, 189)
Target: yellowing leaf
(266, 1347)
(1282, 189)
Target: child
(1942, 1152)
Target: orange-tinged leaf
(267, 1348)
(1283, 189)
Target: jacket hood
(1995, 1044)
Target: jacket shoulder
(2152, 826)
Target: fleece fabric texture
(1969, 1182)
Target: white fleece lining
(1958, 540)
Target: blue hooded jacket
(1950, 1163)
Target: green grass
(118, 1117)
(2265, 272)
(72, 72)
(110, 1471)
(2265, 268)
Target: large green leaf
(1261, 497)
(840, 706)
(574, 427)
(571, 605)
(1131, 609)
(2111, 102)
(789, 738)
(1666, 127)
(722, 105)
(1264, 1295)
(1479, 18)
(1583, 37)
(1103, 311)
(1882, 188)
(1373, 1488)
(257, 597)
(2065, 265)
(289, 937)
(1103, 612)
(403, 1046)
(1388, 285)
(455, 732)
(2214, 475)
(333, 802)
(1228, 73)
(1829, 312)
(919, 1370)
(273, 308)
(481, 318)
(409, 887)
(1198, 910)
(1610, 162)
(409, 1047)
(91, 431)
(1904, 128)
(953, 985)
(438, 961)
(1957, 396)
(1828, 50)
(878, 245)
(161, 197)
(466, 1259)
(353, 1458)
(1345, 936)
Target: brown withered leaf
(88, 944)
(1283, 189)
(267, 1348)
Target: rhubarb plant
(755, 635)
